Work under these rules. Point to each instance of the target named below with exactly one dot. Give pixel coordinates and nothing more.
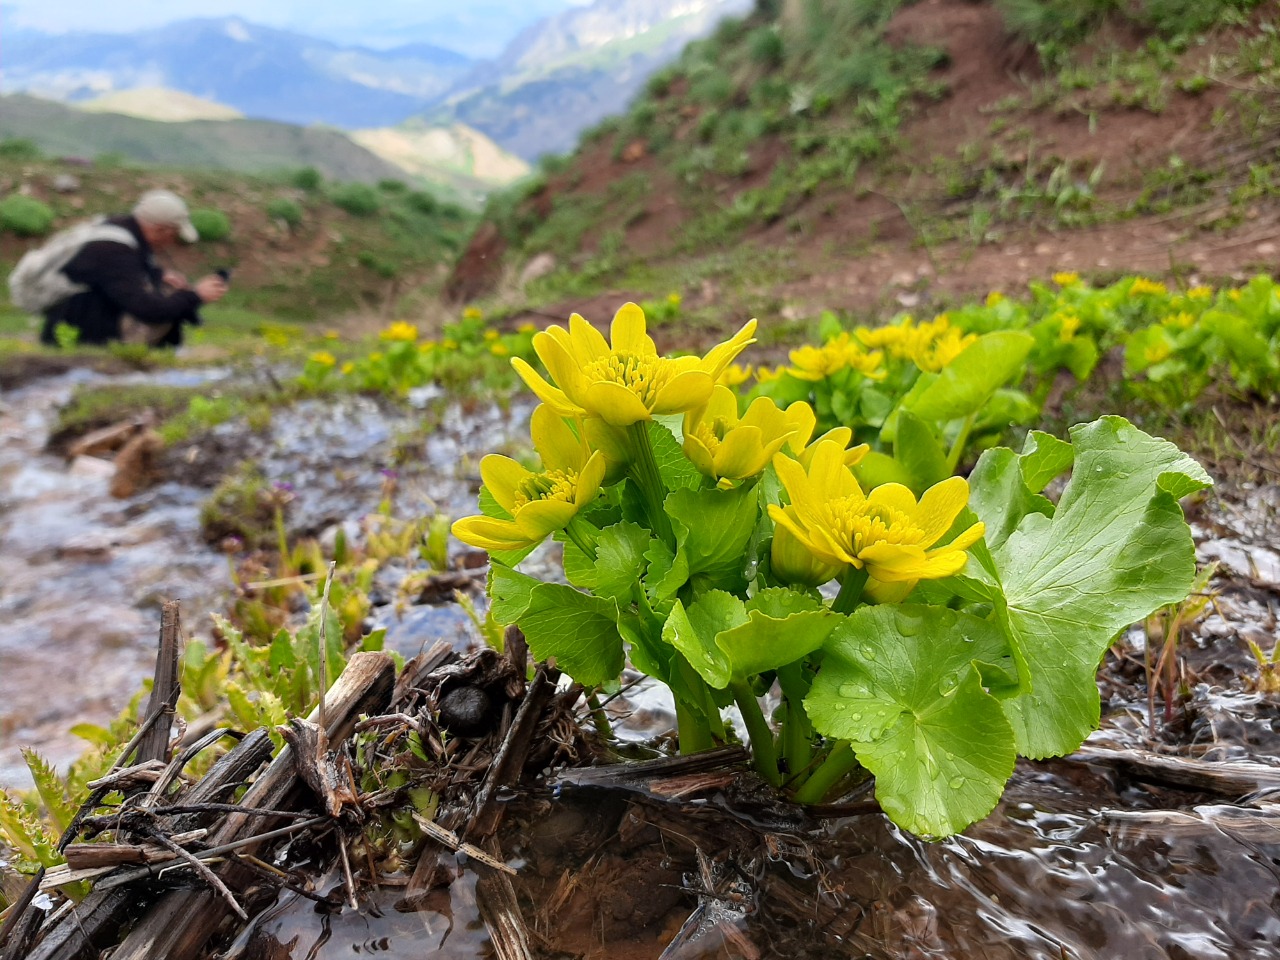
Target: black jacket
(121, 279)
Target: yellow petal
(965, 540)
(894, 563)
(801, 416)
(855, 455)
(555, 441)
(741, 454)
(721, 355)
(537, 518)
(588, 342)
(882, 592)
(684, 392)
(615, 404)
(589, 480)
(895, 496)
(723, 404)
(502, 475)
(627, 334)
(489, 534)
(829, 475)
(565, 369)
(821, 547)
(554, 398)
(939, 507)
(699, 455)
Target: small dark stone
(464, 710)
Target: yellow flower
(769, 374)
(1182, 320)
(375, 356)
(839, 353)
(472, 313)
(727, 447)
(400, 330)
(623, 381)
(806, 421)
(324, 358)
(887, 532)
(1142, 285)
(995, 298)
(331, 334)
(539, 503)
(1157, 351)
(791, 561)
(347, 368)
(1200, 293)
(945, 348)
(499, 349)
(673, 300)
(426, 346)
(491, 334)
(448, 343)
(527, 328)
(1070, 324)
(735, 374)
(1233, 295)
(1066, 278)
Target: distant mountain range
(556, 78)
(265, 73)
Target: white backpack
(37, 282)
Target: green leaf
(917, 449)
(999, 495)
(374, 641)
(693, 633)
(668, 572)
(1116, 549)
(620, 560)
(282, 656)
(713, 527)
(900, 683)
(579, 630)
(675, 469)
(877, 468)
(509, 592)
(50, 788)
(965, 384)
(766, 642)
(1044, 457)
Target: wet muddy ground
(1082, 859)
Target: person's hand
(176, 280)
(211, 289)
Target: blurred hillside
(843, 153)
(301, 246)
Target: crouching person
(112, 280)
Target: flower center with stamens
(858, 524)
(551, 485)
(643, 376)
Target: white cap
(164, 208)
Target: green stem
(763, 752)
(957, 448)
(694, 737)
(850, 590)
(599, 718)
(797, 743)
(583, 535)
(643, 469)
(830, 772)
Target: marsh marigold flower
(539, 503)
(623, 381)
(841, 352)
(1141, 285)
(324, 358)
(735, 374)
(400, 330)
(1200, 293)
(1066, 278)
(472, 313)
(727, 447)
(886, 532)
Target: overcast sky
(474, 27)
